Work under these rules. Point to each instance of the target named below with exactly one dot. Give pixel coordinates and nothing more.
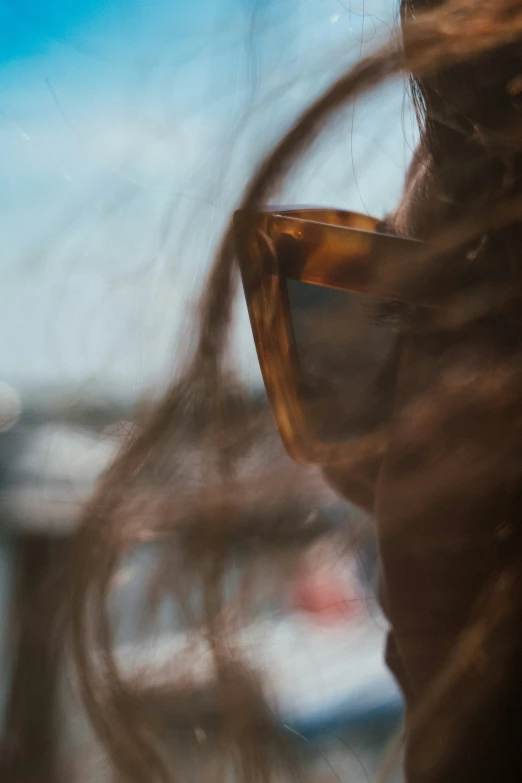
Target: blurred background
(129, 129)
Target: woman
(442, 472)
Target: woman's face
(439, 495)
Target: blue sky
(128, 130)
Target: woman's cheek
(357, 487)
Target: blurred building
(324, 678)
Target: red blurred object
(330, 594)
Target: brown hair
(463, 194)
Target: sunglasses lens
(346, 358)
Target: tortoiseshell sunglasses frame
(340, 250)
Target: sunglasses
(325, 323)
